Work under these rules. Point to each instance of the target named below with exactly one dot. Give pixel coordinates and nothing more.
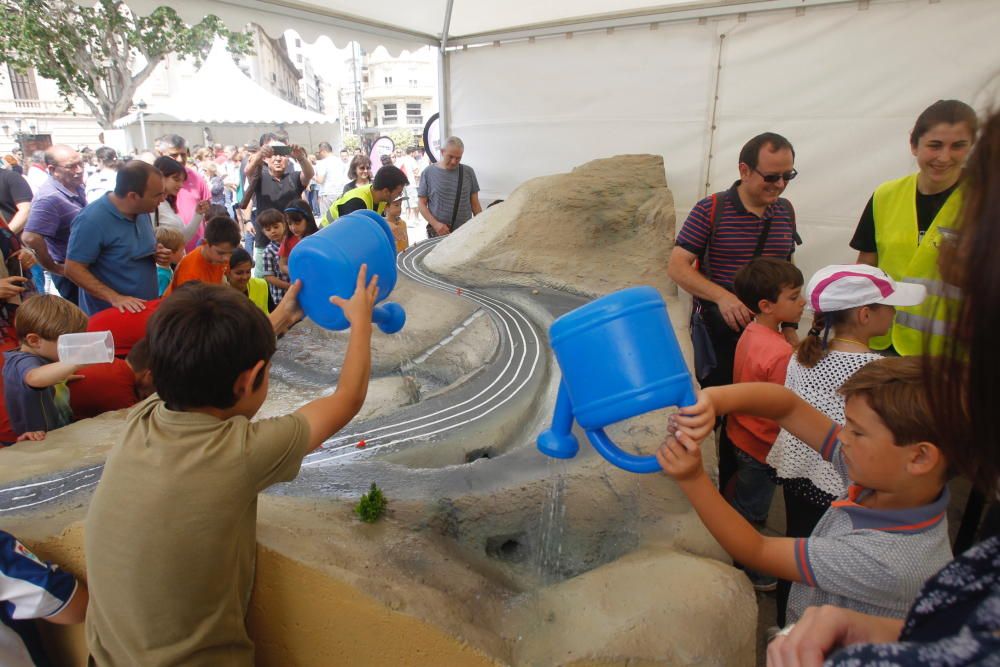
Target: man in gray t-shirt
(439, 187)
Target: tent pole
(443, 75)
(713, 121)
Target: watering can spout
(389, 317)
(559, 441)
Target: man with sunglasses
(722, 234)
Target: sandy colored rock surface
(606, 225)
(649, 605)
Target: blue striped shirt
(736, 234)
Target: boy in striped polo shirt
(874, 548)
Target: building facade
(382, 95)
(272, 68)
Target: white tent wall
(844, 83)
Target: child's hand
(359, 308)
(696, 421)
(33, 436)
(680, 457)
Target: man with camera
(273, 185)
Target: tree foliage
(372, 505)
(101, 54)
(403, 138)
(351, 142)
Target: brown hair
(764, 278)
(232, 334)
(270, 217)
(138, 356)
(49, 317)
(951, 112)
(964, 381)
(894, 388)
(170, 237)
(814, 347)
(356, 162)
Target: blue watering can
(328, 262)
(619, 358)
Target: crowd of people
(862, 421)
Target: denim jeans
(751, 489)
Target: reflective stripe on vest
(905, 256)
(363, 193)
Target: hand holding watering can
(620, 358)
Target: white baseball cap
(843, 286)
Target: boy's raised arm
(49, 374)
(759, 399)
(331, 413)
(680, 458)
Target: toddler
(35, 390)
(172, 238)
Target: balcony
(33, 107)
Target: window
(298, 42)
(414, 113)
(413, 83)
(388, 80)
(389, 115)
(298, 57)
(23, 84)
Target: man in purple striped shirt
(722, 234)
(56, 204)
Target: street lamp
(142, 121)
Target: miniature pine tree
(372, 505)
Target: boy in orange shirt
(772, 289)
(209, 261)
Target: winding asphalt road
(518, 360)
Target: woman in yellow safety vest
(901, 228)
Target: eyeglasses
(774, 178)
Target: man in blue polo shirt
(112, 247)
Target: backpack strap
(714, 213)
(791, 214)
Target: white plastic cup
(91, 347)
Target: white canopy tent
(538, 87)
(221, 98)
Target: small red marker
(361, 444)
(458, 291)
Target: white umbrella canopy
(244, 102)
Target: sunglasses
(774, 178)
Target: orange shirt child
(195, 266)
(762, 355)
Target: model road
(518, 360)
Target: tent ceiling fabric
(405, 25)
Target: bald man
(57, 202)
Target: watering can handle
(610, 451)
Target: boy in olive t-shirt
(171, 531)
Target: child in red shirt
(209, 261)
(115, 386)
(772, 289)
(301, 223)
